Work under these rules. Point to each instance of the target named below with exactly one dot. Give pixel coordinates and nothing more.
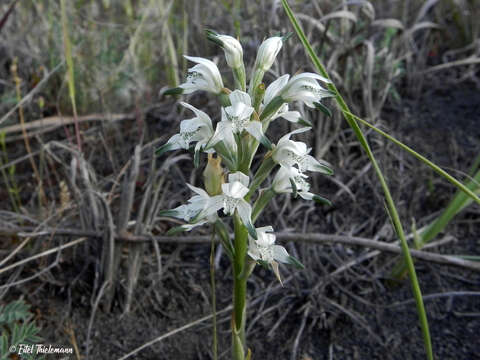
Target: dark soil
(357, 314)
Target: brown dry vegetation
(409, 67)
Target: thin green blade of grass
(459, 202)
(389, 201)
(70, 68)
(172, 65)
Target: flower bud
(267, 52)
(233, 51)
(213, 176)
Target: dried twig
(309, 238)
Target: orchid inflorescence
(245, 118)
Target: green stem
(390, 204)
(263, 171)
(261, 202)
(239, 78)
(255, 81)
(239, 289)
(214, 297)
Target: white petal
(265, 229)
(292, 116)
(245, 212)
(200, 114)
(176, 142)
(255, 129)
(190, 125)
(198, 191)
(253, 249)
(235, 189)
(240, 96)
(233, 51)
(280, 254)
(212, 80)
(306, 195)
(265, 239)
(274, 88)
(310, 75)
(189, 227)
(214, 204)
(267, 52)
(240, 177)
(313, 164)
(297, 131)
(224, 133)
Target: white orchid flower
(264, 250)
(267, 52)
(271, 92)
(193, 212)
(236, 119)
(233, 199)
(290, 180)
(304, 87)
(203, 76)
(197, 129)
(289, 153)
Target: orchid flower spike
(203, 76)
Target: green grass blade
(70, 68)
(389, 201)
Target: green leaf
(295, 262)
(304, 122)
(294, 188)
(321, 200)
(265, 142)
(323, 109)
(175, 230)
(163, 149)
(212, 36)
(196, 159)
(168, 213)
(251, 230)
(173, 91)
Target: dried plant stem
(195, 239)
(26, 140)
